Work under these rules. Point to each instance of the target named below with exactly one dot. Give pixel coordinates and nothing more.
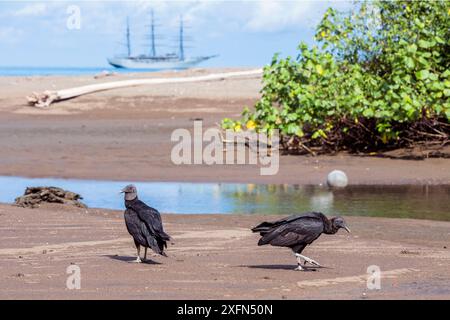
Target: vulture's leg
(145, 254)
(138, 259)
(311, 261)
(299, 260)
(299, 263)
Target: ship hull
(155, 64)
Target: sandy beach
(215, 257)
(124, 134)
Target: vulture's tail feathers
(261, 242)
(263, 228)
(164, 236)
(161, 245)
(267, 238)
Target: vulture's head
(338, 222)
(130, 192)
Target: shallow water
(418, 202)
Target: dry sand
(125, 134)
(215, 257)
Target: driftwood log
(34, 196)
(46, 98)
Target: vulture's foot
(299, 268)
(138, 260)
(309, 260)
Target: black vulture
(298, 231)
(144, 224)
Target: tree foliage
(379, 78)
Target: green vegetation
(378, 79)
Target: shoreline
(262, 216)
(399, 183)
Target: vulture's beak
(122, 191)
(347, 228)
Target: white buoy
(337, 178)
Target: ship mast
(181, 39)
(153, 35)
(128, 37)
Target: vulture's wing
(152, 219)
(268, 226)
(301, 230)
(292, 218)
(134, 226)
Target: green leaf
(368, 113)
(409, 62)
(412, 48)
(319, 69)
(424, 44)
(439, 40)
(422, 74)
(292, 128)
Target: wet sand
(215, 257)
(124, 134)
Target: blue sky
(243, 33)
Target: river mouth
(395, 201)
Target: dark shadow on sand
(130, 259)
(281, 267)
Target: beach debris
(406, 251)
(45, 99)
(104, 73)
(337, 179)
(34, 196)
(249, 141)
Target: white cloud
(253, 16)
(35, 9)
(207, 18)
(10, 34)
(272, 16)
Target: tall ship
(153, 61)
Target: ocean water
(417, 202)
(61, 71)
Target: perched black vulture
(297, 231)
(144, 224)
